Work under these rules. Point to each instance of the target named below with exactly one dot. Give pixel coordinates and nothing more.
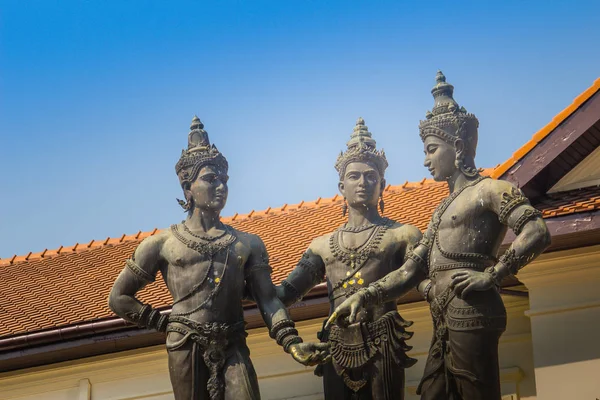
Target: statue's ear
(341, 188)
(459, 146)
(382, 184)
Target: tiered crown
(447, 120)
(361, 148)
(199, 153)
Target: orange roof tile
(59, 280)
(52, 288)
(546, 130)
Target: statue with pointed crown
(208, 268)
(455, 265)
(368, 357)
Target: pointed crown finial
(447, 120)
(199, 153)
(361, 147)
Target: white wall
(143, 374)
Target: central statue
(208, 267)
(368, 357)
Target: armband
(528, 215)
(139, 272)
(509, 202)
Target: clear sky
(96, 97)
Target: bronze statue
(368, 357)
(455, 264)
(207, 266)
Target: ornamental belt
(355, 345)
(211, 339)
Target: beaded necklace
(211, 249)
(356, 259)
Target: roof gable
(556, 148)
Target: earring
(184, 205)
(381, 204)
(344, 208)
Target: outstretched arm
(532, 238)
(139, 271)
(274, 313)
(309, 272)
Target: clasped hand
(310, 353)
(464, 282)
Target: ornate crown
(447, 120)
(199, 153)
(361, 148)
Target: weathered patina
(368, 357)
(208, 267)
(455, 264)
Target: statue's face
(209, 190)
(439, 158)
(361, 184)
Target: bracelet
(495, 277)
(283, 333)
(279, 325)
(289, 341)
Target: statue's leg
(386, 378)
(433, 384)
(334, 387)
(475, 369)
(188, 373)
(240, 378)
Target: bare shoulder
(250, 240)
(150, 248)
(496, 186)
(492, 190)
(406, 232)
(320, 244)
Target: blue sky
(96, 97)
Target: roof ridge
(546, 129)
(286, 208)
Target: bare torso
(469, 232)
(386, 247)
(206, 288)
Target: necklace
(203, 237)
(355, 260)
(210, 248)
(439, 212)
(352, 248)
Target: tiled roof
(570, 202)
(546, 130)
(71, 286)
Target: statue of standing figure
(368, 357)
(455, 264)
(207, 267)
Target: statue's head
(361, 168)
(449, 134)
(202, 172)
